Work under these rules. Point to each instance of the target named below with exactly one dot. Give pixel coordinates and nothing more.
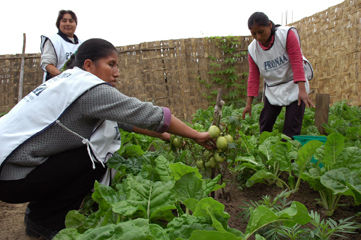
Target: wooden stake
(322, 109)
(21, 79)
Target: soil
(12, 215)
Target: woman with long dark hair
(275, 54)
(55, 142)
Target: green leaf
(343, 181)
(335, 180)
(211, 185)
(189, 186)
(138, 229)
(313, 178)
(162, 168)
(260, 217)
(182, 227)
(306, 152)
(213, 210)
(154, 199)
(350, 157)
(67, 234)
(333, 147)
(259, 237)
(105, 196)
(179, 169)
(260, 176)
(297, 213)
(191, 203)
(213, 235)
(74, 219)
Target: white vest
(63, 49)
(42, 108)
(275, 68)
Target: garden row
(164, 191)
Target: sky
(126, 22)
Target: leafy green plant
(338, 177)
(325, 229)
(268, 158)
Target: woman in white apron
(54, 143)
(275, 54)
(57, 48)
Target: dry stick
(21, 79)
(217, 114)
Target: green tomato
(221, 143)
(177, 142)
(211, 163)
(214, 131)
(219, 157)
(229, 138)
(199, 164)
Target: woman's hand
(205, 140)
(303, 96)
(165, 136)
(247, 109)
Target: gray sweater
(102, 102)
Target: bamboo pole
(21, 79)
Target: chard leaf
(191, 204)
(313, 178)
(162, 168)
(260, 217)
(297, 213)
(333, 147)
(105, 196)
(213, 235)
(182, 227)
(265, 147)
(260, 176)
(189, 186)
(154, 199)
(350, 157)
(344, 181)
(211, 185)
(179, 169)
(280, 152)
(306, 152)
(248, 159)
(67, 234)
(74, 219)
(259, 237)
(335, 180)
(213, 211)
(138, 229)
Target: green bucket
(303, 139)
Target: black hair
(261, 19)
(61, 15)
(93, 49)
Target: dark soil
(235, 197)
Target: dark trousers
(54, 188)
(293, 118)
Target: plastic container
(303, 139)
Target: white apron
(275, 68)
(42, 108)
(63, 49)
